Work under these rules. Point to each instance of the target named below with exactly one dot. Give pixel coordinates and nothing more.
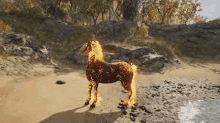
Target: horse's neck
(94, 57)
(92, 60)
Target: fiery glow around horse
(99, 71)
(96, 51)
(133, 86)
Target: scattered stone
(121, 107)
(132, 118)
(158, 110)
(123, 91)
(143, 121)
(124, 112)
(164, 99)
(133, 108)
(134, 114)
(60, 81)
(142, 108)
(121, 103)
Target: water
(200, 112)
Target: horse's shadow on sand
(71, 116)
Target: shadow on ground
(71, 116)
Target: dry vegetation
(23, 16)
(4, 27)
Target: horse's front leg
(89, 93)
(95, 91)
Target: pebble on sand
(60, 81)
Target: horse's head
(87, 47)
(92, 48)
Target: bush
(5, 27)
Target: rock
(132, 118)
(117, 54)
(143, 121)
(13, 38)
(124, 112)
(151, 58)
(140, 52)
(144, 109)
(196, 40)
(60, 81)
(27, 51)
(123, 58)
(116, 49)
(18, 50)
(216, 71)
(134, 114)
(158, 110)
(133, 108)
(2, 40)
(109, 56)
(136, 62)
(120, 104)
(44, 50)
(121, 107)
(76, 57)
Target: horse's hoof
(92, 106)
(86, 103)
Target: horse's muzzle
(83, 49)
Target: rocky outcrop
(14, 38)
(204, 33)
(147, 59)
(21, 45)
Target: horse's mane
(96, 51)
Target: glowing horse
(99, 71)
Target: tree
(166, 9)
(104, 7)
(188, 10)
(117, 8)
(199, 19)
(130, 9)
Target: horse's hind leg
(95, 91)
(129, 93)
(89, 93)
(127, 86)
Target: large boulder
(18, 50)
(76, 57)
(146, 58)
(22, 45)
(152, 62)
(140, 52)
(14, 38)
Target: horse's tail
(133, 86)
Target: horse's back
(104, 72)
